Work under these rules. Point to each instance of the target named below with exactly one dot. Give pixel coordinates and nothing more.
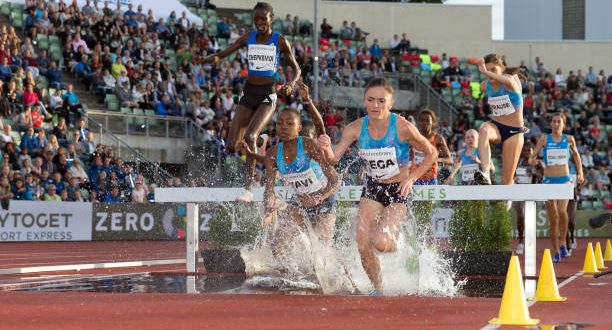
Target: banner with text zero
(45, 221)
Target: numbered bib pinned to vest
(305, 182)
(500, 105)
(467, 171)
(419, 156)
(261, 57)
(522, 176)
(381, 163)
(556, 157)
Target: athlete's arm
(297, 72)
(444, 154)
(270, 162)
(577, 159)
(408, 132)
(216, 58)
(538, 148)
(251, 153)
(313, 112)
(316, 154)
(350, 134)
(511, 82)
(456, 168)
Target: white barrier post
(192, 237)
(530, 238)
(530, 193)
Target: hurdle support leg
(192, 237)
(530, 238)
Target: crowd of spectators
(155, 64)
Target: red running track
(588, 303)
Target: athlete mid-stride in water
(505, 99)
(557, 148)
(384, 140)
(258, 100)
(303, 167)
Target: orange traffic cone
(608, 254)
(590, 264)
(513, 309)
(599, 257)
(547, 282)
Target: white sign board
(45, 221)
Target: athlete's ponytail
(498, 60)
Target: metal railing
(142, 164)
(433, 100)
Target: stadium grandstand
(116, 75)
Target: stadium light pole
(315, 47)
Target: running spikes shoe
(573, 244)
(482, 178)
(564, 252)
(557, 258)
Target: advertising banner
(45, 221)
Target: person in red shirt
(29, 96)
(332, 118)
(37, 117)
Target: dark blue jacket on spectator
(82, 69)
(93, 173)
(108, 198)
(53, 75)
(171, 109)
(29, 142)
(5, 72)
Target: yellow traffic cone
(590, 264)
(547, 282)
(608, 254)
(513, 309)
(599, 257)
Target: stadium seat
(139, 120)
(425, 67)
(475, 89)
(425, 58)
(5, 8)
(435, 59)
(42, 41)
(436, 67)
(586, 205)
(151, 120)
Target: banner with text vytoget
(45, 221)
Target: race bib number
(467, 172)
(262, 57)
(304, 182)
(500, 105)
(419, 156)
(380, 163)
(522, 176)
(556, 157)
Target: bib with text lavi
(305, 182)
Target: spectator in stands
(453, 70)
(346, 32)
(5, 192)
(5, 70)
(166, 107)
(113, 196)
(124, 95)
(50, 195)
(326, 30)
(138, 193)
(375, 50)
(71, 104)
(28, 141)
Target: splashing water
(415, 268)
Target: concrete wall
(157, 149)
(598, 22)
(533, 20)
(463, 31)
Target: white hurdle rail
(529, 193)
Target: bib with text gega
(381, 163)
